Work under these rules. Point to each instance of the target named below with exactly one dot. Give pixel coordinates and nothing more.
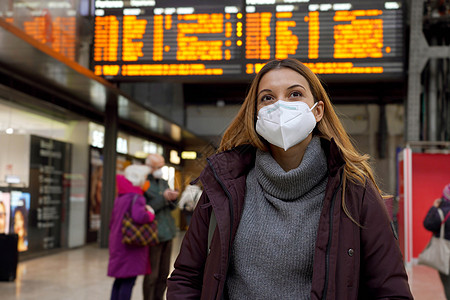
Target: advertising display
(4, 212)
(95, 191)
(232, 39)
(20, 207)
(96, 185)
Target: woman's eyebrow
(264, 90)
(296, 85)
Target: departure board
(58, 30)
(150, 39)
(60, 34)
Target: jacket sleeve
(186, 280)
(382, 270)
(432, 221)
(138, 212)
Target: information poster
(49, 161)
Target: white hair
(155, 161)
(137, 174)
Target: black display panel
(145, 40)
(49, 162)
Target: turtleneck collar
(279, 184)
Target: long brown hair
(242, 128)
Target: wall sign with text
(141, 39)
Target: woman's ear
(319, 110)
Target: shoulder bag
(437, 252)
(138, 234)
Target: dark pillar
(382, 132)
(109, 168)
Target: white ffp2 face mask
(285, 124)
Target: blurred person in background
(433, 223)
(298, 212)
(126, 262)
(188, 201)
(163, 200)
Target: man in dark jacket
(163, 200)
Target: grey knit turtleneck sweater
(272, 254)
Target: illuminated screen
(54, 27)
(145, 39)
(61, 35)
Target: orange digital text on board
(156, 70)
(358, 34)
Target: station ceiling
(35, 69)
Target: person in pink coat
(126, 262)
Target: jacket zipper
(230, 202)
(327, 256)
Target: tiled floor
(81, 274)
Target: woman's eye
(296, 94)
(266, 98)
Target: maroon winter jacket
(350, 262)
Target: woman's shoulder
(236, 160)
(361, 185)
(364, 195)
(445, 204)
(445, 207)
(127, 198)
(238, 152)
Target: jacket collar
(124, 186)
(334, 155)
(231, 164)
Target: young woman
(298, 212)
